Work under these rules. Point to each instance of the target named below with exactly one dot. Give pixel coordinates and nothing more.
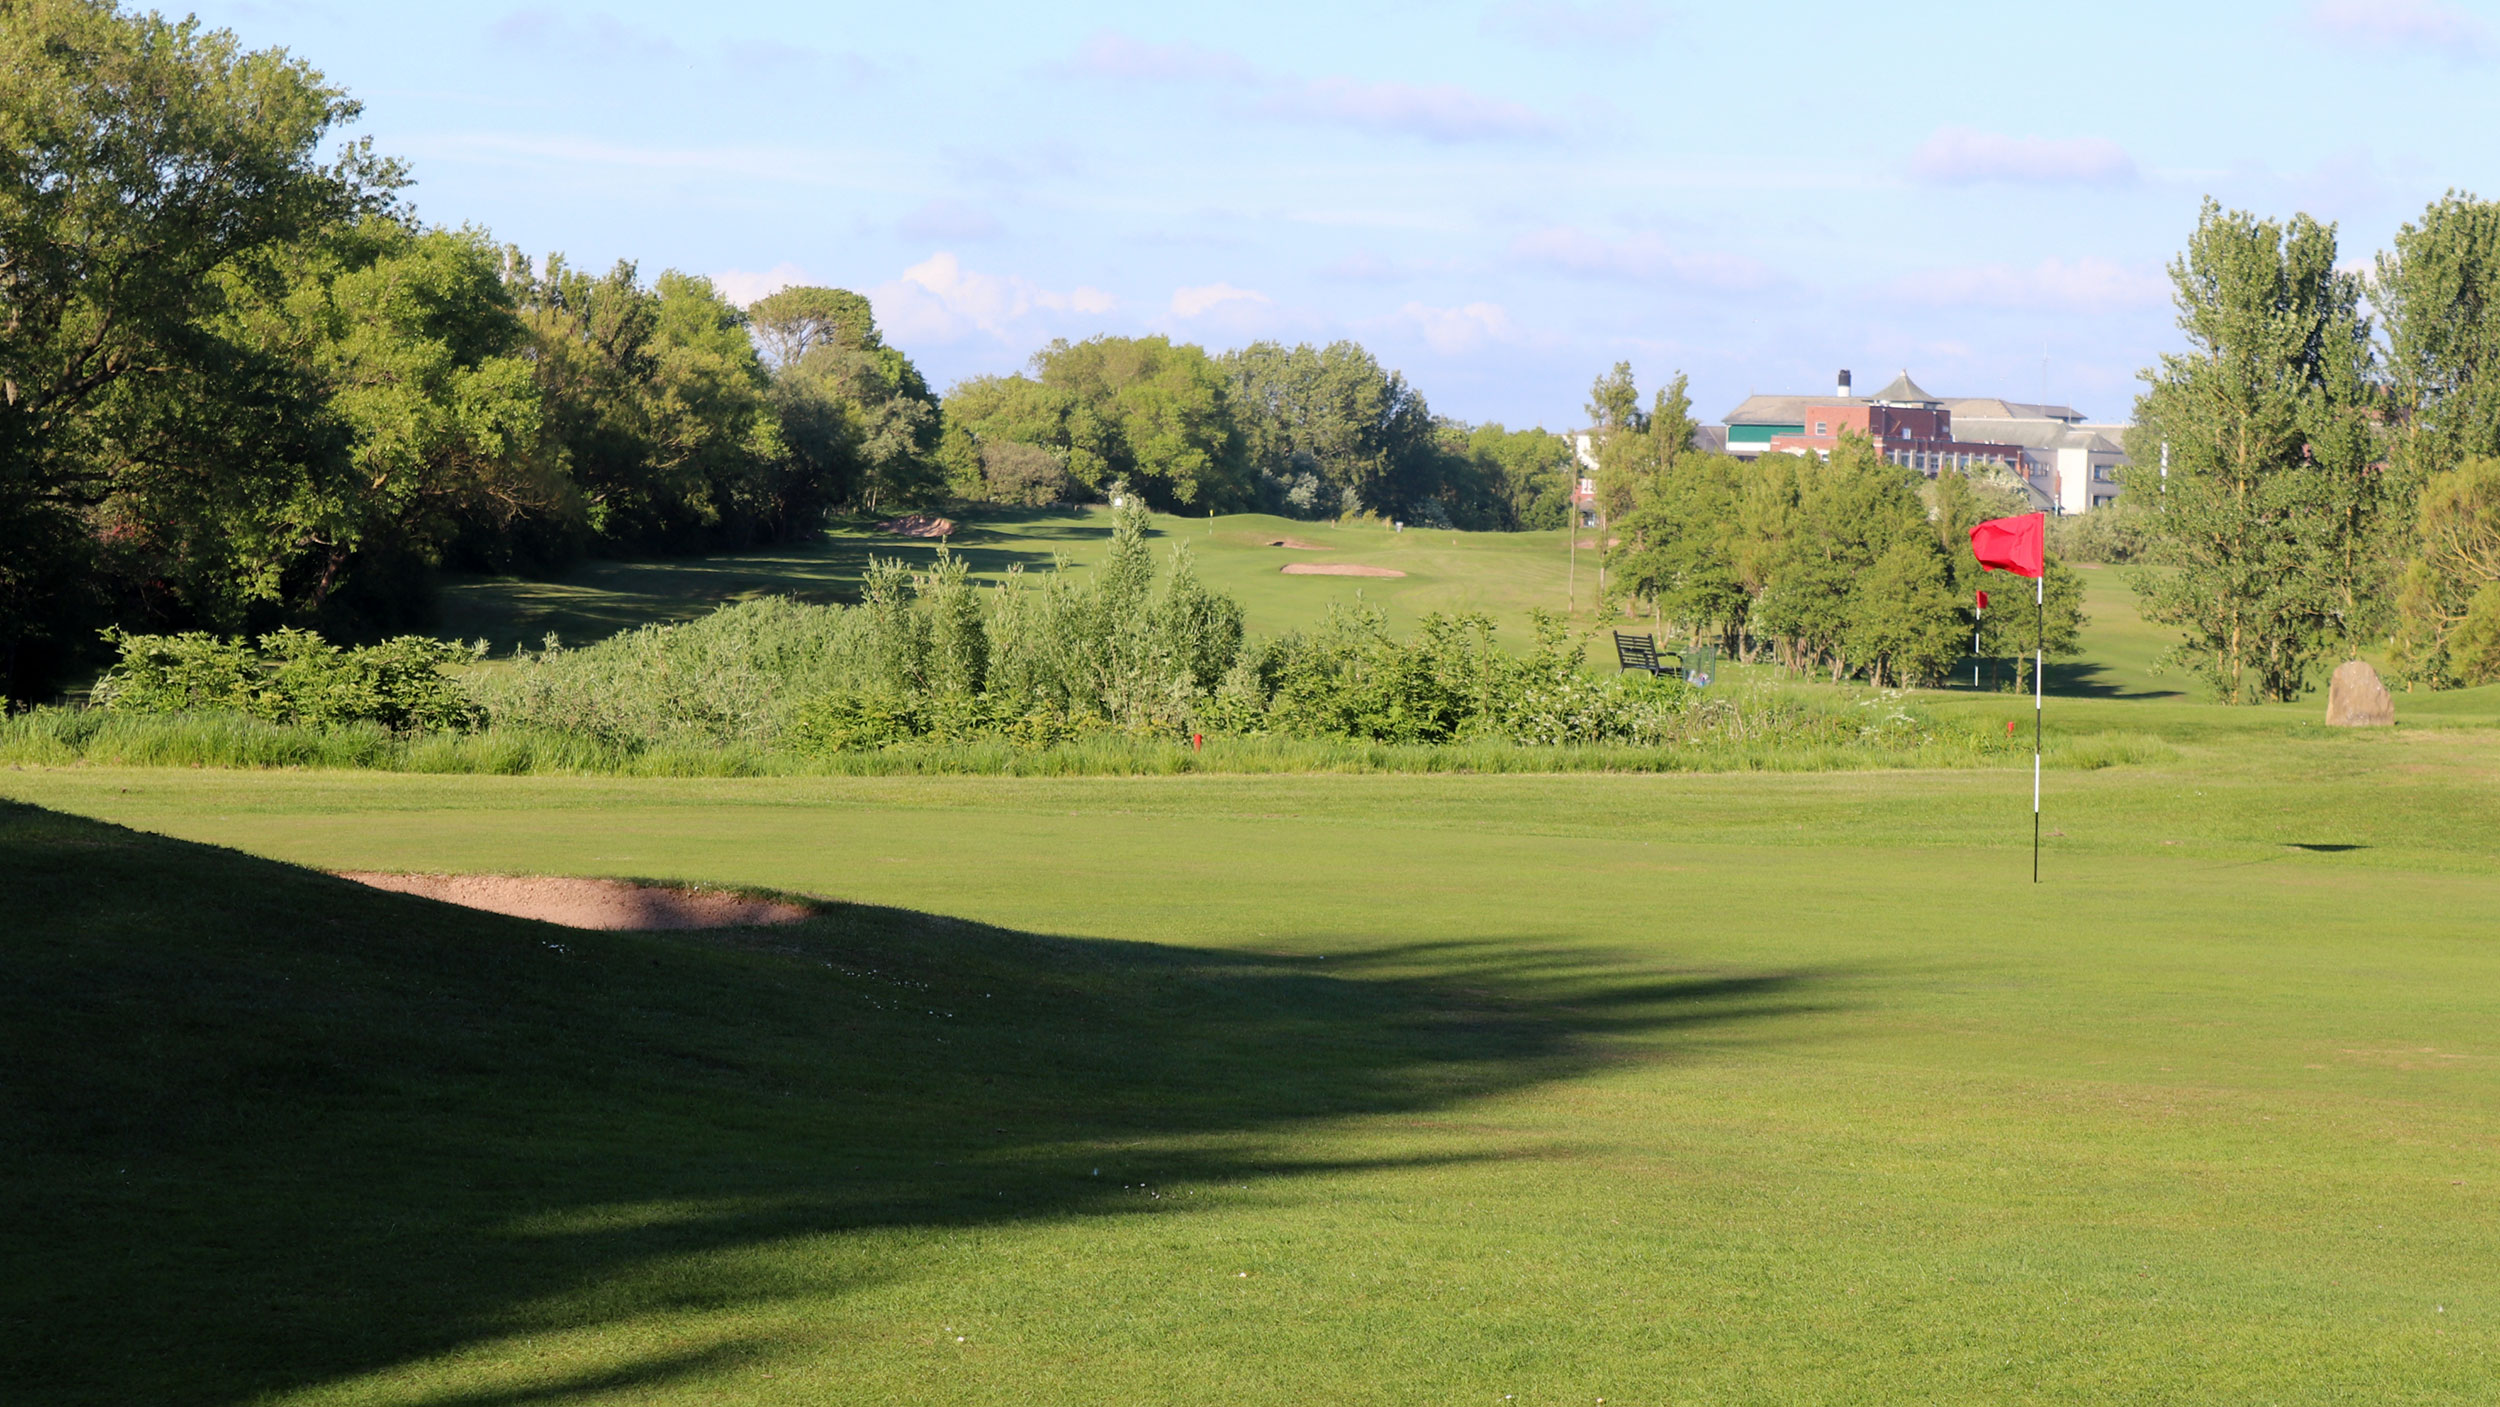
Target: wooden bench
(1695, 666)
(1641, 652)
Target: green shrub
(292, 676)
(735, 675)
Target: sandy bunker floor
(1334, 569)
(586, 903)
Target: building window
(2101, 474)
(1819, 429)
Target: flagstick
(2039, 656)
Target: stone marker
(2355, 698)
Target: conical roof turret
(1904, 391)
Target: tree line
(2316, 474)
(2333, 441)
(1844, 565)
(243, 385)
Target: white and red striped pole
(2039, 660)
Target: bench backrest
(1635, 651)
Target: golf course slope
(271, 1130)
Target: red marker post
(2021, 546)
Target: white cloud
(2086, 285)
(1602, 24)
(1192, 302)
(741, 287)
(599, 38)
(1961, 156)
(1457, 331)
(939, 300)
(1642, 256)
(1110, 54)
(950, 220)
(1438, 112)
(2450, 30)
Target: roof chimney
(1843, 392)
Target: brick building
(2069, 466)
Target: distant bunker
(1334, 569)
(613, 904)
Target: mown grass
(1149, 1080)
(1404, 1088)
(1504, 575)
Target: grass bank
(61, 737)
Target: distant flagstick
(1976, 617)
(2020, 545)
(2039, 682)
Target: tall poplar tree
(2438, 297)
(2437, 294)
(2273, 498)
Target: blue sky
(1501, 199)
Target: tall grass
(65, 737)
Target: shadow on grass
(273, 1130)
(2088, 679)
(598, 599)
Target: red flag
(2017, 545)
(1983, 600)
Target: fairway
(1401, 1089)
(1504, 575)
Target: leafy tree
(2449, 608)
(668, 424)
(1330, 430)
(1904, 625)
(2438, 299)
(1680, 547)
(1615, 403)
(1635, 449)
(1143, 410)
(796, 321)
(859, 421)
(405, 349)
(2273, 496)
(1671, 420)
(1537, 471)
(1851, 508)
(1149, 412)
(712, 420)
(139, 157)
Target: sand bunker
(919, 525)
(586, 903)
(1296, 544)
(1334, 569)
